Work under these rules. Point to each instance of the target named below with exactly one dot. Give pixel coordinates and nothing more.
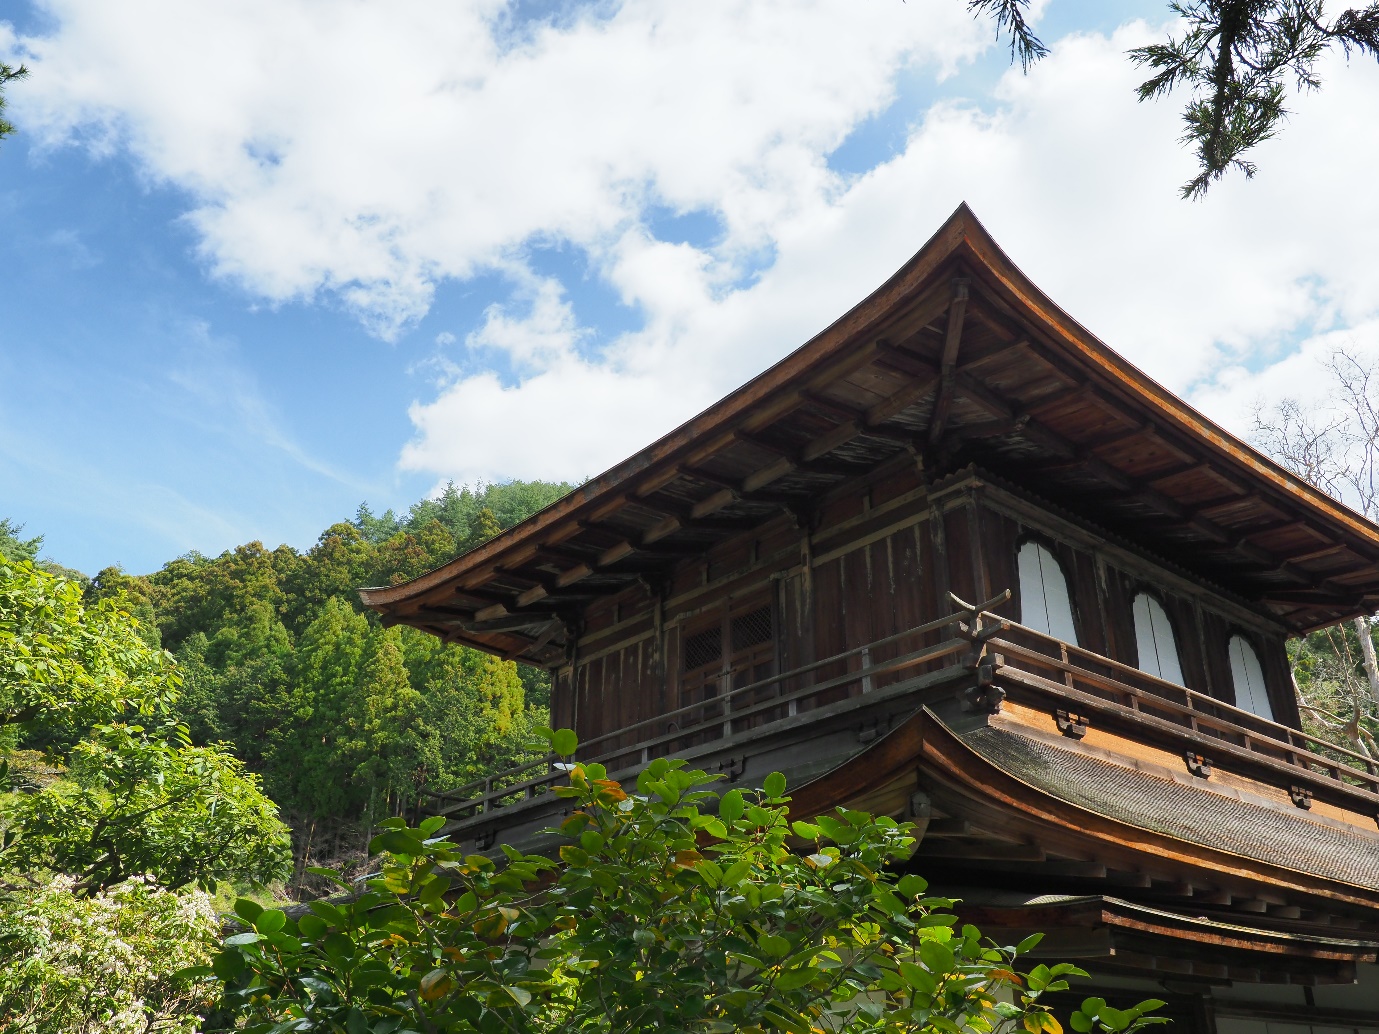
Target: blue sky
(239, 302)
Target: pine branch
(1235, 56)
(8, 74)
(1010, 17)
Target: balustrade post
(866, 663)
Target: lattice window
(751, 629)
(703, 648)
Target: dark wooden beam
(1084, 459)
(970, 850)
(1084, 390)
(898, 401)
(999, 355)
(835, 410)
(949, 360)
(1317, 554)
(1311, 597)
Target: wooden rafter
(949, 361)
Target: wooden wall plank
(1216, 633)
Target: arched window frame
(1252, 641)
(1153, 592)
(1051, 547)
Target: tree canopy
(1234, 58)
(135, 798)
(276, 660)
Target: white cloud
(1303, 375)
(1075, 179)
(373, 151)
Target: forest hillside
(342, 719)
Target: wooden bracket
(981, 699)
(733, 767)
(1301, 796)
(483, 841)
(873, 730)
(921, 813)
(1198, 764)
(1074, 726)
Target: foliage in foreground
(658, 915)
(109, 963)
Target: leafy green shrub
(659, 914)
(129, 799)
(146, 802)
(106, 963)
(64, 663)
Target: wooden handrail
(719, 701)
(983, 632)
(1164, 690)
(944, 649)
(1283, 759)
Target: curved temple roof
(958, 358)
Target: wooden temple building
(956, 560)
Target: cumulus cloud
(1074, 178)
(370, 152)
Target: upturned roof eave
(962, 237)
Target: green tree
(138, 799)
(376, 529)
(12, 547)
(66, 664)
(508, 503)
(341, 561)
(386, 727)
(198, 707)
(142, 803)
(407, 554)
(476, 718)
(659, 915)
(135, 594)
(271, 646)
(1234, 57)
(8, 74)
(325, 679)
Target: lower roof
(1290, 840)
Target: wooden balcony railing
(757, 705)
(996, 649)
(1080, 680)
